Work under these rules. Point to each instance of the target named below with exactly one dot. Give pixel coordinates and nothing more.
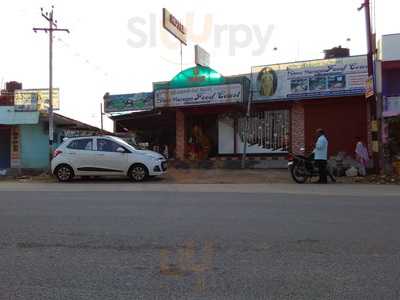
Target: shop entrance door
(5, 148)
(202, 136)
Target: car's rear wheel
(64, 173)
(138, 173)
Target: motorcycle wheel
(299, 173)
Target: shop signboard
(174, 26)
(311, 79)
(203, 95)
(128, 102)
(35, 100)
(391, 106)
(25, 101)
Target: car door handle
(100, 154)
(72, 153)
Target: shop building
(24, 135)
(200, 115)
(388, 88)
(184, 120)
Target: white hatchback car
(105, 156)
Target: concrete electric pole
(49, 16)
(375, 109)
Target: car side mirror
(120, 150)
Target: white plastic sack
(352, 172)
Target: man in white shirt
(321, 155)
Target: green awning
(193, 77)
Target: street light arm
(36, 29)
(65, 30)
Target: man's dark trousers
(321, 164)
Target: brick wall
(298, 140)
(6, 100)
(180, 135)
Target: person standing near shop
(362, 156)
(321, 155)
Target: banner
(207, 95)
(311, 79)
(35, 100)
(128, 102)
(25, 101)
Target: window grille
(267, 129)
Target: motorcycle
(304, 168)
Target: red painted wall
(342, 119)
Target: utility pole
(49, 16)
(376, 136)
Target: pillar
(298, 128)
(180, 135)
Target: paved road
(124, 241)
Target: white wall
(389, 47)
(226, 133)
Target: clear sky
(120, 47)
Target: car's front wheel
(64, 173)
(138, 173)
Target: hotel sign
(174, 26)
(203, 95)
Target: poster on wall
(206, 95)
(36, 100)
(369, 87)
(311, 79)
(128, 102)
